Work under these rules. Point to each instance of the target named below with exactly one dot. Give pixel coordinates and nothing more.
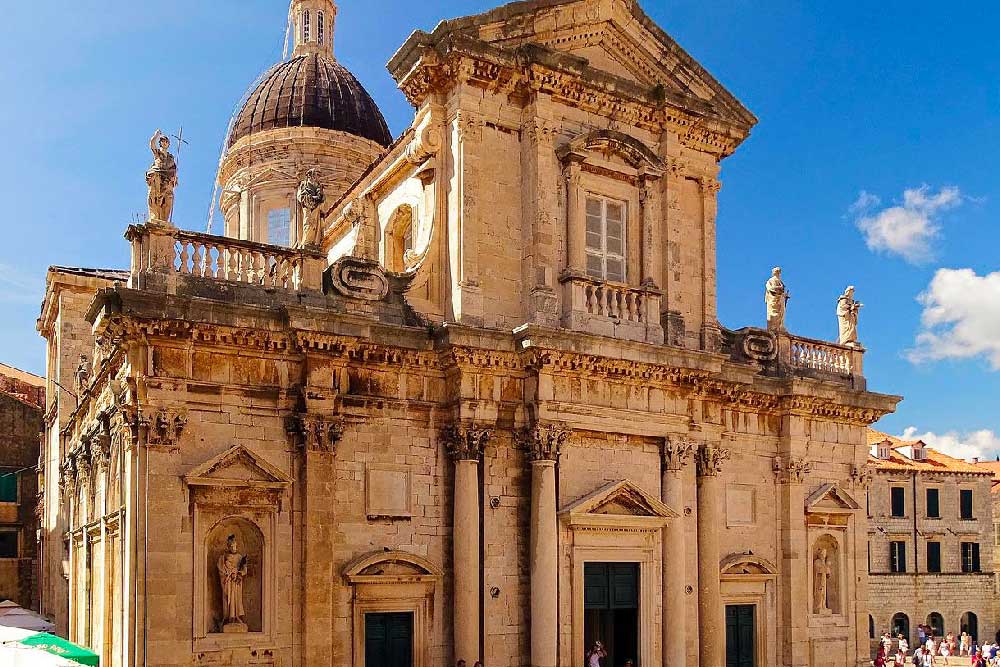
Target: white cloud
(906, 229)
(983, 445)
(961, 318)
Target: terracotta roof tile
(935, 462)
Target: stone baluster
(465, 446)
(676, 455)
(711, 615)
(543, 443)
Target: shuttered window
(933, 504)
(933, 556)
(8, 485)
(898, 498)
(897, 556)
(605, 239)
(966, 503)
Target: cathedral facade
(461, 395)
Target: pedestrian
(596, 654)
(904, 646)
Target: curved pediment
(611, 142)
(747, 565)
(390, 564)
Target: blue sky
(874, 163)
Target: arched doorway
(970, 625)
(936, 622)
(901, 625)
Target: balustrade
(819, 356)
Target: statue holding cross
(161, 178)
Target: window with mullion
(897, 556)
(605, 239)
(970, 557)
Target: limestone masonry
(461, 395)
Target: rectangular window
(605, 239)
(898, 497)
(970, 557)
(279, 226)
(8, 543)
(897, 556)
(966, 503)
(933, 504)
(933, 556)
(8, 485)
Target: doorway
(611, 611)
(741, 635)
(389, 640)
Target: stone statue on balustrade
(161, 179)
(847, 315)
(310, 197)
(776, 299)
(233, 570)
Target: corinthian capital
(464, 442)
(543, 441)
(710, 459)
(677, 452)
(316, 433)
(791, 470)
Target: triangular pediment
(615, 37)
(830, 498)
(622, 499)
(237, 466)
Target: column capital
(861, 476)
(676, 452)
(710, 459)
(710, 184)
(465, 442)
(316, 433)
(791, 469)
(542, 441)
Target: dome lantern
(312, 23)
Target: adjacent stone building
(22, 396)
(461, 395)
(931, 536)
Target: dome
(311, 90)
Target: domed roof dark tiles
(311, 90)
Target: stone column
(796, 589)
(676, 455)
(576, 255)
(465, 446)
(543, 443)
(711, 615)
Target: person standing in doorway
(596, 654)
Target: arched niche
(400, 239)
(394, 582)
(826, 576)
(248, 541)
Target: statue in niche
(847, 315)
(233, 570)
(822, 573)
(161, 179)
(310, 197)
(776, 299)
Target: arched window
(399, 239)
(901, 625)
(970, 625)
(306, 28)
(936, 621)
(320, 27)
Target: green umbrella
(59, 646)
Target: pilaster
(676, 455)
(710, 459)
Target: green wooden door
(740, 638)
(389, 640)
